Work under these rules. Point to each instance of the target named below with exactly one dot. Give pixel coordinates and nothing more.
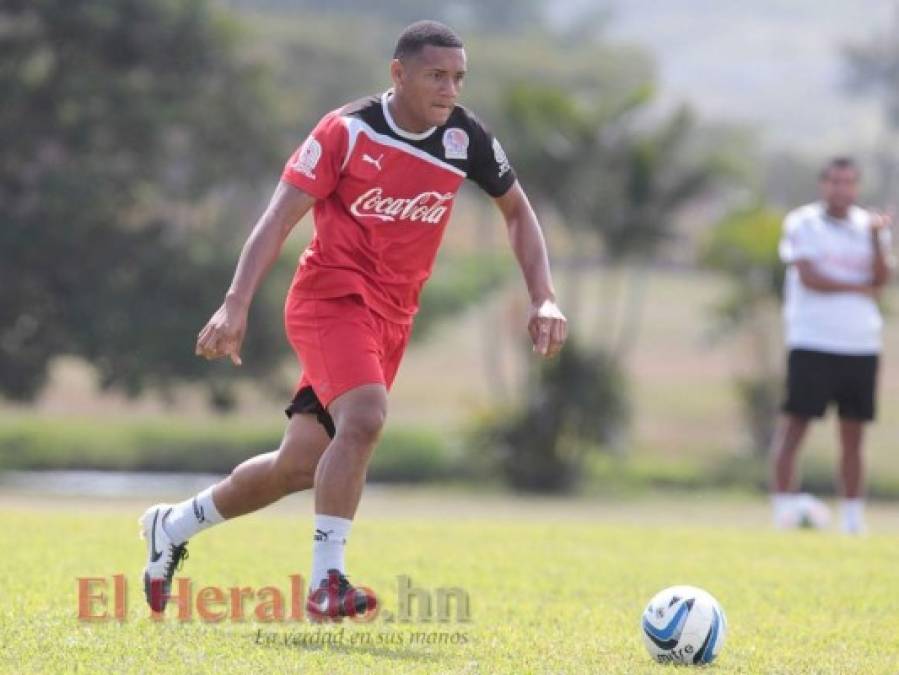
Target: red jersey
(384, 197)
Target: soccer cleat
(336, 598)
(163, 556)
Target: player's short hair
(839, 163)
(415, 36)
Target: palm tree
(617, 190)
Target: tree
(125, 127)
(874, 71)
(744, 248)
(617, 187)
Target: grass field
(554, 586)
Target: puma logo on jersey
(372, 160)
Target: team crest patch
(307, 158)
(455, 143)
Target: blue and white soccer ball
(684, 624)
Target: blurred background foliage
(141, 138)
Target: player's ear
(397, 72)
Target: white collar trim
(394, 127)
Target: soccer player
(839, 259)
(381, 175)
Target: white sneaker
(854, 529)
(163, 556)
(853, 516)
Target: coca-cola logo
(427, 207)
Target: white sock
(853, 511)
(783, 506)
(328, 545)
(191, 516)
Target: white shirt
(842, 250)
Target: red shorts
(342, 344)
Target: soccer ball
(684, 624)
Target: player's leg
(809, 377)
(359, 416)
(851, 475)
(787, 443)
(266, 478)
(257, 482)
(851, 471)
(785, 449)
(856, 406)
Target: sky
(772, 64)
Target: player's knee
(362, 427)
(294, 470)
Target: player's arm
(816, 281)
(224, 333)
(546, 323)
(881, 266)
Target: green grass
(553, 588)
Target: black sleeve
(489, 167)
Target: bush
(413, 455)
(33, 444)
(579, 403)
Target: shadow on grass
(383, 651)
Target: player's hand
(223, 334)
(548, 328)
(871, 291)
(881, 220)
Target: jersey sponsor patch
(455, 143)
(502, 161)
(308, 157)
(427, 207)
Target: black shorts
(816, 379)
(306, 403)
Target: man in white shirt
(838, 257)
